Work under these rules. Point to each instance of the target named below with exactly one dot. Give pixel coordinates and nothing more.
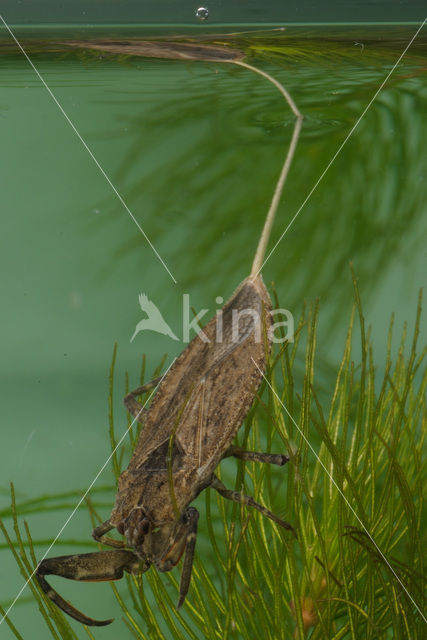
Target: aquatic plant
(352, 490)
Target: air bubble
(202, 13)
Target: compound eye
(140, 531)
(121, 527)
(144, 527)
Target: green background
(195, 150)
(221, 11)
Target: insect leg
(256, 456)
(191, 515)
(100, 530)
(131, 403)
(235, 496)
(87, 567)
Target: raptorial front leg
(235, 496)
(191, 515)
(86, 567)
(134, 407)
(257, 456)
(100, 530)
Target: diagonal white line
(347, 502)
(345, 141)
(42, 80)
(86, 492)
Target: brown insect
(195, 413)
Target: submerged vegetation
(352, 490)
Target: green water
(194, 149)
